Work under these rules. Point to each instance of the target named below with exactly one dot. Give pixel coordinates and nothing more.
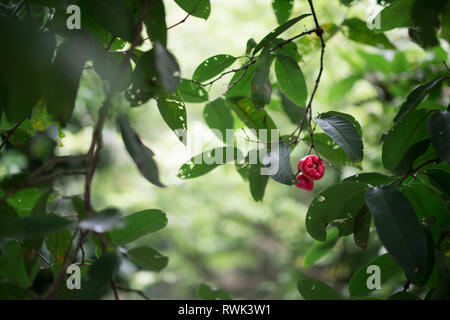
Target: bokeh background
(217, 234)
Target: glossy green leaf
(241, 83)
(192, 92)
(217, 115)
(167, 68)
(173, 111)
(344, 133)
(372, 178)
(206, 161)
(439, 129)
(148, 258)
(292, 110)
(196, 8)
(277, 164)
(312, 289)
(320, 249)
(277, 31)
(257, 181)
(336, 206)
(401, 232)
(400, 147)
(361, 229)
(359, 32)
(416, 97)
(282, 9)
(261, 87)
(291, 79)
(346, 116)
(213, 66)
(156, 22)
(207, 293)
(396, 15)
(440, 178)
(141, 155)
(139, 224)
(388, 270)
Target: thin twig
(179, 22)
(10, 133)
(126, 289)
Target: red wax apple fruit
(304, 182)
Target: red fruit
(312, 167)
(304, 183)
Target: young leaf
(217, 115)
(415, 98)
(344, 133)
(205, 162)
(137, 225)
(212, 66)
(336, 206)
(206, 293)
(156, 22)
(141, 155)
(388, 269)
(312, 289)
(401, 232)
(291, 79)
(275, 33)
(148, 258)
(173, 111)
(282, 9)
(439, 129)
(261, 88)
(196, 8)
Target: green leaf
(206, 161)
(196, 8)
(14, 268)
(212, 66)
(257, 181)
(139, 224)
(167, 68)
(241, 83)
(261, 87)
(173, 111)
(217, 115)
(291, 79)
(57, 243)
(312, 289)
(277, 31)
(65, 78)
(403, 296)
(361, 229)
(207, 293)
(342, 88)
(396, 15)
(148, 258)
(24, 200)
(115, 16)
(359, 32)
(251, 44)
(400, 232)
(440, 178)
(439, 129)
(388, 270)
(141, 155)
(252, 118)
(192, 92)
(292, 110)
(416, 97)
(370, 178)
(282, 9)
(344, 133)
(442, 291)
(156, 22)
(103, 221)
(331, 151)
(400, 147)
(346, 116)
(110, 67)
(278, 164)
(319, 249)
(336, 206)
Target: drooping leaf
(400, 232)
(206, 161)
(401, 146)
(388, 270)
(292, 110)
(148, 258)
(361, 229)
(277, 31)
(291, 79)
(156, 22)
(217, 115)
(396, 15)
(141, 155)
(137, 225)
(313, 289)
(109, 67)
(212, 66)
(282, 9)
(277, 164)
(167, 67)
(196, 8)
(257, 181)
(173, 111)
(416, 97)
(336, 206)
(359, 32)
(192, 92)
(439, 129)
(344, 133)
(440, 178)
(241, 83)
(207, 293)
(319, 249)
(261, 87)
